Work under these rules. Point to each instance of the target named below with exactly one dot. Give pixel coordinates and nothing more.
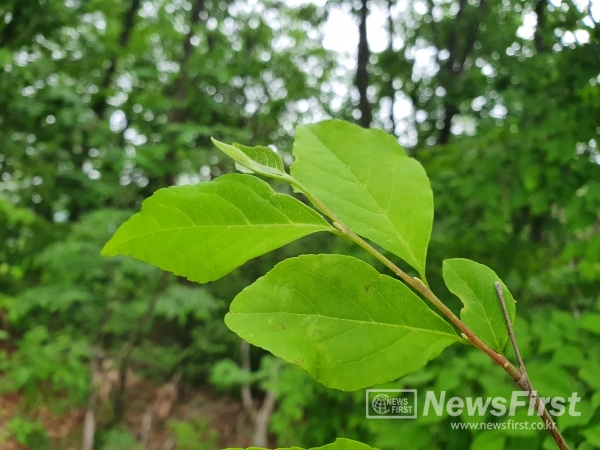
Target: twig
(524, 382)
(424, 290)
(511, 333)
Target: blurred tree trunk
(390, 25)
(178, 113)
(141, 328)
(362, 75)
(99, 104)
(460, 46)
(538, 36)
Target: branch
(259, 439)
(511, 333)
(467, 333)
(524, 382)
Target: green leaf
(590, 322)
(205, 231)
(592, 435)
(368, 181)
(473, 283)
(345, 444)
(260, 160)
(339, 444)
(339, 319)
(488, 441)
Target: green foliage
(560, 356)
(193, 434)
(339, 319)
(473, 283)
(331, 314)
(120, 439)
(62, 361)
(181, 303)
(30, 433)
(214, 227)
(339, 444)
(98, 111)
(367, 180)
(334, 316)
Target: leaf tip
(109, 249)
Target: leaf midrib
(363, 322)
(191, 227)
(407, 248)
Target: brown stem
(511, 332)
(524, 382)
(419, 286)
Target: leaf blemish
(367, 287)
(282, 326)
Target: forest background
(104, 102)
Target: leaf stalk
(519, 376)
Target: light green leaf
(345, 444)
(339, 444)
(592, 435)
(590, 322)
(473, 283)
(586, 411)
(260, 160)
(339, 319)
(488, 441)
(368, 181)
(205, 231)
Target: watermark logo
(391, 403)
(402, 404)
